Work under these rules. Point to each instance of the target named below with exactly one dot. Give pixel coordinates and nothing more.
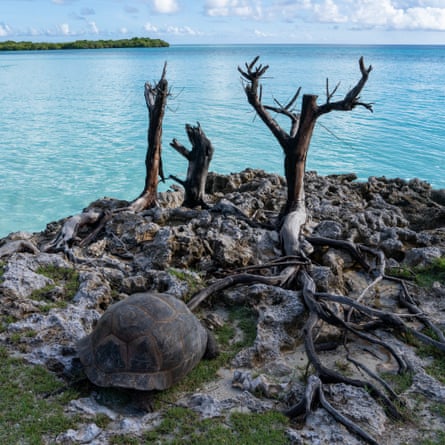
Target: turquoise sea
(73, 123)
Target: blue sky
(227, 21)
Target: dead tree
(199, 158)
(361, 320)
(295, 144)
(156, 100)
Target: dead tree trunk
(199, 159)
(156, 100)
(295, 144)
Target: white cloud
(64, 29)
(238, 8)
(422, 18)
(5, 30)
(92, 27)
(171, 29)
(150, 28)
(385, 13)
(328, 12)
(165, 6)
(182, 30)
(262, 34)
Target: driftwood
(16, 246)
(199, 158)
(68, 234)
(156, 100)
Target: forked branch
(352, 97)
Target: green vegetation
(27, 415)
(399, 382)
(438, 440)
(2, 269)
(135, 42)
(181, 425)
(437, 367)
(193, 280)
(423, 276)
(66, 280)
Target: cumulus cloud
(64, 29)
(387, 14)
(165, 6)
(238, 8)
(410, 15)
(92, 28)
(151, 28)
(5, 30)
(328, 12)
(171, 29)
(182, 30)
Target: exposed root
(313, 396)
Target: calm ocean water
(73, 123)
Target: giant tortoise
(149, 341)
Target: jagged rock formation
(178, 250)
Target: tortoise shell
(148, 341)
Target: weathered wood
(68, 233)
(199, 158)
(295, 144)
(156, 100)
(15, 246)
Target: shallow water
(73, 123)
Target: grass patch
(423, 276)
(399, 382)
(26, 415)
(437, 366)
(438, 409)
(193, 280)
(439, 439)
(65, 279)
(181, 425)
(245, 319)
(6, 320)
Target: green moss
(28, 411)
(193, 280)
(5, 320)
(181, 425)
(439, 439)
(438, 409)
(64, 278)
(124, 440)
(399, 382)
(426, 276)
(423, 276)
(2, 269)
(245, 319)
(437, 366)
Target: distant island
(135, 42)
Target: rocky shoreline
(180, 251)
